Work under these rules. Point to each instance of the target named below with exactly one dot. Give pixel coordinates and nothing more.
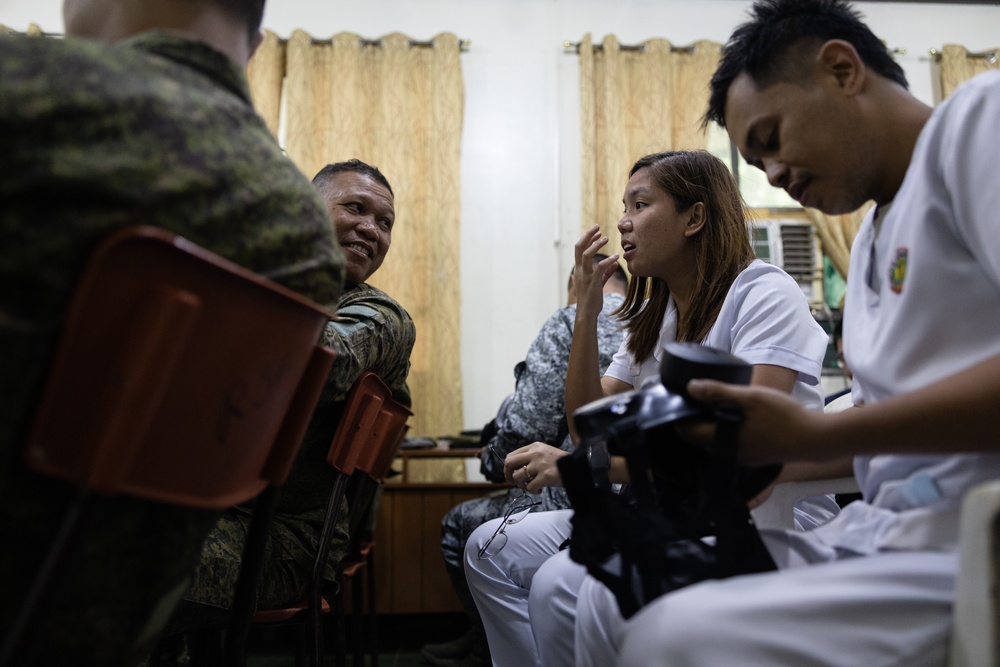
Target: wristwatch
(600, 461)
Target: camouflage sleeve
(371, 332)
(536, 408)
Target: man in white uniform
(813, 98)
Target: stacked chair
(363, 493)
(370, 431)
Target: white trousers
(526, 594)
(885, 610)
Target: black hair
(323, 176)
(777, 42)
(250, 12)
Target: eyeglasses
(495, 453)
(519, 508)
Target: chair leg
(20, 639)
(372, 615)
(314, 628)
(339, 621)
(301, 643)
(358, 622)
(251, 566)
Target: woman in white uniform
(686, 241)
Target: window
(757, 192)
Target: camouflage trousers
(210, 595)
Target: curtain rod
(463, 44)
(990, 56)
(574, 47)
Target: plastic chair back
(175, 374)
(180, 378)
(975, 633)
(390, 430)
(372, 417)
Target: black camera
(668, 471)
(681, 489)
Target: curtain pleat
(634, 102)
(958, 66)
(34, 30)
(836, 234)
(266, 73)
(692, 72)
(398, 107)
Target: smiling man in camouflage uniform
(372, 332)
(148, 121)
(535, 412)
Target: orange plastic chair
(179, 377)
(357, 444)
(390, 430)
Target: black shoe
(469, 650)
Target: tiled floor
(400, 640)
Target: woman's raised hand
(589, 278)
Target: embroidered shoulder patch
(897, 272)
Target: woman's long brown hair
(722, 248)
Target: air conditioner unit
(792, 245)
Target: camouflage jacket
(154, 130)
(536, 411)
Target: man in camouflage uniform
(371, 333)
(535, 412)
(129, 127)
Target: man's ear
(840, 60)
(697, 219)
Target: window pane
(757, 192)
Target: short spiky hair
(779, 39)
(322, 178)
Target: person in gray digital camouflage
(535, 412)
(371, 332)
(142, 115)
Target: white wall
(520, 149)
